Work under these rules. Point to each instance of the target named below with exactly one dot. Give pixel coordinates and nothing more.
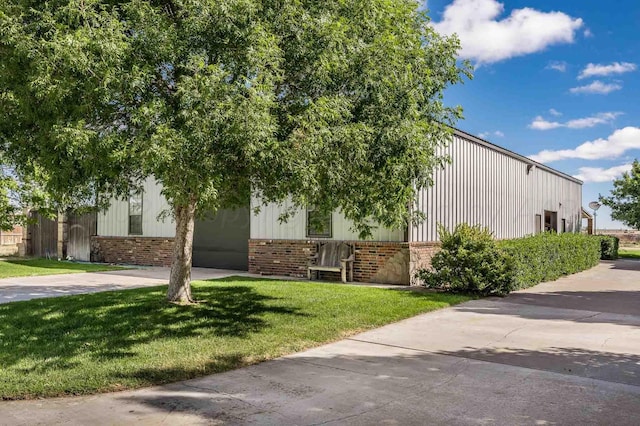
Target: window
(538, 224)
(135, 213)
(318, 224)
(564, 225)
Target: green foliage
(119, 340)
(470, 261)
(34, 267)
(336, 104)
(609, 247)
(18, 193)
(548, 256)
(624, 200)
(629, 253)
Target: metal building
(484, 185)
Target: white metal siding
(265, 225)
(486, 187)
(114, 222)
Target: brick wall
(379, 262)
(376, 261)
(280, 257)
(148, 251)
(420, 258)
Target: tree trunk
(180, 280)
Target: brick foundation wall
(420, 258)
(147, 251)
(280, 257)
(376, 261)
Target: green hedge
(471, 261)
(609, 247)
(548, 256)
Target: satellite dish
(594, 205)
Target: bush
(609, 247)
(548, 256)
(469, 261)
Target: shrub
(548, 256)
(469, 261)
(609, 247)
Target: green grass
(32, 267)
(128, 339)
(629, 253)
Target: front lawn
(128, 339)
(31, 267)
(629, 253)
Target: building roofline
(512, 154)
(586, 214)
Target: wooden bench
(333, 256)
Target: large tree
(331, 103)
(624, 200)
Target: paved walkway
(25, 288)
(566, 352)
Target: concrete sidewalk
(566, 352)
(25, 288)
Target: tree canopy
(624, 199)
(336, 104)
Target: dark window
(538, 224)
(550, 221)
(564, 225)
(318, 224)
(135, 213)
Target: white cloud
(555, 112)
(619, 142)
(587, 33)
(597, 87)
(486, 39)
(594, 120)
(485, 135)
(598, 174)
(599, 70)
(539, 123)
(557, 65)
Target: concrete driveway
(25, 288)
(566, 352)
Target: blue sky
(557, 81)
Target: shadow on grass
(40, 266)
(107, 325)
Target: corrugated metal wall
(486, 187)
(265, 225)
(115, 221)
(482, 186)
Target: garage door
(222, 241)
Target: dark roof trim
(512, 154)
(586, 214)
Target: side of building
(484, 184)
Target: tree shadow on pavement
(366, 389)
(606, 301)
